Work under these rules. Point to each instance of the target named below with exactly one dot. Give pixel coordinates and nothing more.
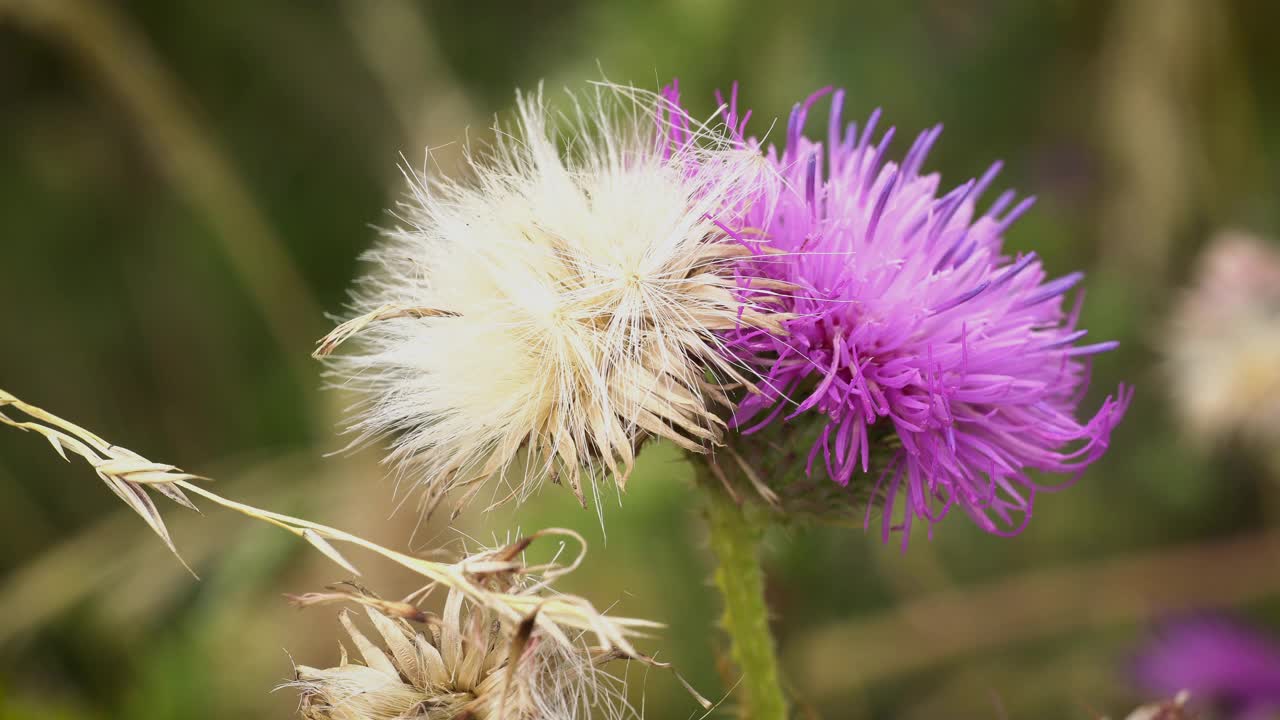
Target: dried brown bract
(467, 662)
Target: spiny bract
(466, 663)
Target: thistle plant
(920, 368)
(773, 312)
(822, 330)
(658, 278)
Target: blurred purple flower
(912, 326)
(1222, 662)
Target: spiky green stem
(735, 541)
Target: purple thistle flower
(910, 322)
(1219, 661)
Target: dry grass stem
(475, 578)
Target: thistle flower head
(1223, 354)
(912, 330)
(557, 306)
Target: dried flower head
(913, 332)
(559, 305)
(1223, 354)
(468, 662)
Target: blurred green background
(185, 188)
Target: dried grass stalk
(131, 476)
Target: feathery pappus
(547, 313)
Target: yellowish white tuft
(470, 661)
(461, 667)
(540, 319)
(1223, 350)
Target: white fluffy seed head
(540, 318)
